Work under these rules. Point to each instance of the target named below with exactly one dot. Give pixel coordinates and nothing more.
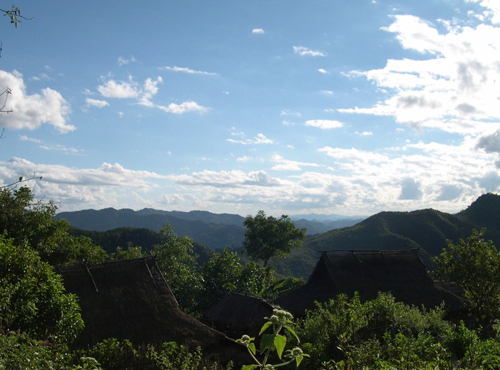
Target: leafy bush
(32, 298)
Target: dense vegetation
(39, 320)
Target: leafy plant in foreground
(275, 342)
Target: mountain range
(213, 230)
(427, 229)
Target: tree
(30, 223)
(32, 298)
(268, 237)
(177, 262)
(474, 265)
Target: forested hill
(426, 229)
(210, 229)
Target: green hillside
(426, 229)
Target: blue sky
(321, 106)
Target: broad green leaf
(248, 367)
(293, 332)
(266, 341)
(299, 360)
(251, 347)
(265, 326)
(280, 343)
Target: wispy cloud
(259, 139)
(324, 124)
(122, 61)
(323, 71)
(289, 165)
(26, 138)
(303, 51)
(258, 31)
(287, 112)
(96, 103)
(188, 106)
(189, 71)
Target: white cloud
(287, 123)
(188, 106)
(122, 61)
(303, 51)
(286, 112)
(189, 71)
(410, 190)
(119, 89)
(453, 87)
(41, 77)
(96, 103)
(244, 159)
(288, 165)
(364, 133)
(258, 31)
(31, 111)
(259, 139)
(33, 140)
(324, 124)
(323, 71)
(327, 92)
(149, 89)
(223, 179)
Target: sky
(234, 106)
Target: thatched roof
(239, 314)
(368, 272)
(130, 299)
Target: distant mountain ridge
(426, 229)
(210, 229)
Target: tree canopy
(474, 265)
(268, 237)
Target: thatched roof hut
(239, 314)
(130, 299)
(368, 272)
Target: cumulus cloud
(119, 89)
(96, 103)
(188, 106)
(490, 143)
(31, 111)
(149, 89)
(410, 190)
(303, 51)
(258, 31)
(324, 124)
(259, 139)
(74, 188)
(452, 87)
(323, 71)
(227, 179)
(189, 71)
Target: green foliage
(178, 264)
(129, 253)
(172, 356)
(32, 298)
(281, 287)
(224, 273)
(274, 343)
(268, 237)
(474, 265)
(30, 223)
(384, 334)
(19, 351)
